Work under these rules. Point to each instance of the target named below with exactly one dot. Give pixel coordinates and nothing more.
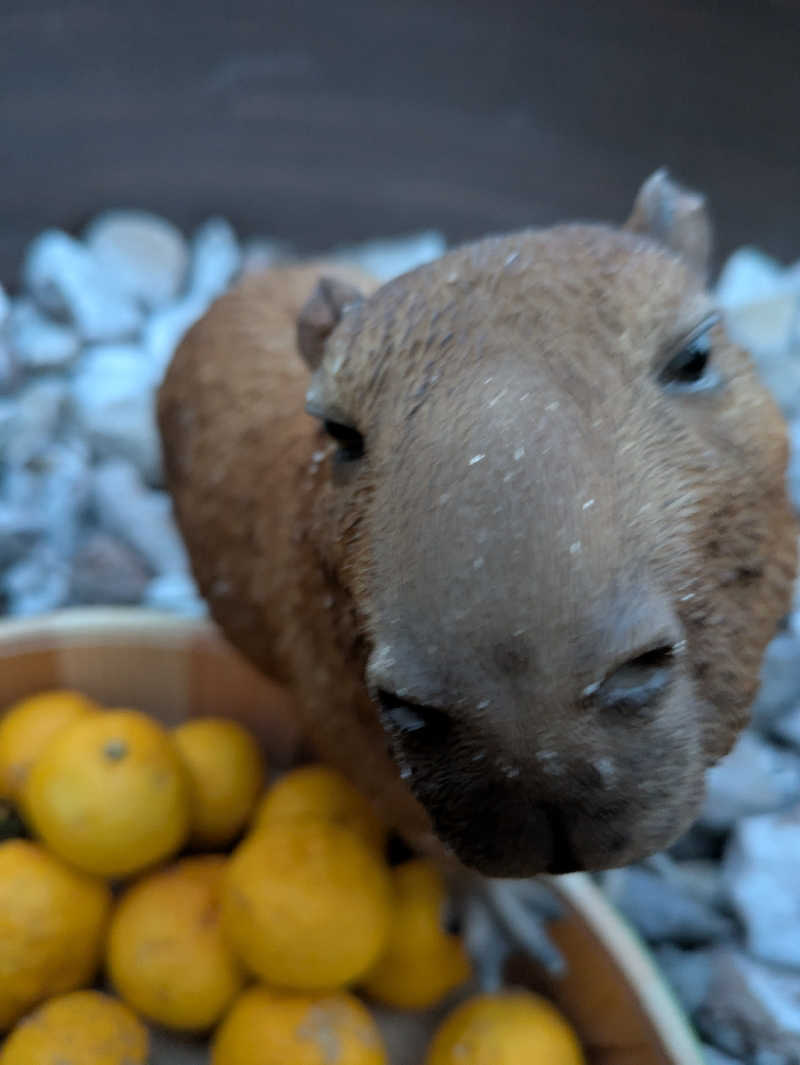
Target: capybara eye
(350, 440)
(690, 368)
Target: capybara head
(558, 506)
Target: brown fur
(534, 511)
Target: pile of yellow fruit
(216, 903)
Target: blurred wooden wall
(322, 122)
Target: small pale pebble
(386, 259)
(662, 912)
(113, 401)
(165, 330)
(146, 255)
(175, 593)
(67, 281)
(755, 778)
(107, 571)
(688, 971)
(258, 255)
(216, 259)
(127, 509)
(716, 1057)
(36, 419)
(787, 728)
(37, 342)
(751, 1008)
(37, 584)
(762, 876)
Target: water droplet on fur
(476, 458)
(587, 504)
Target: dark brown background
(321, 121)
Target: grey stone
(67, 281)
(788, 728)
(216, 258)
(780, 679)
(50, 493)
(37, 583)
(146, 255)
(664, 912)
(8, 364)
(689, 973)
(760, 300)
(107, 571)
(165, 329)
(385, 259)
(716, 1057)
(175, 593)
(141, 517)
(19, 531)
(259, 255)
(113, 398)
(751, 1009)
(35, 420)
(762, 875)
(755, 778)
(39, 343)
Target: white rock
(762, 875)
(752, 1009)
(788, 728)
(37, 584)
(106, 570)
(139, 516)
(716, 1057)
(113, 396)
(259, 254)
(8, 367)
(689, 973)
(51, 492)
(166, 328)
(385, 259)
(67, 281)
(146, 255)
(38, 342)
(780, 679)
(35, 419)
(176, 593)
(755, 778)
(216, 258)
(19, 531)
(663, 912)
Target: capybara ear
(675, 217)
(320, 316)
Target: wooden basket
(175, 668)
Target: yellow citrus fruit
(226, 776)
(507, 1028)
(166, 954)
(267, 1027)
(306, 904)
(319, 791)
(422, 963)
(109, 794)
(82, 1028)
(52, 922)
(26, 728)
